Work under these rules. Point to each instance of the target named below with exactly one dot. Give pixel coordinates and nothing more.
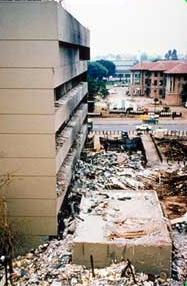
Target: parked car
(143, 127)
(153, 115)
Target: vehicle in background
(143, 127)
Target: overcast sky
(131, 26)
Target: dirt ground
(142, 101)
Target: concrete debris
(179, 262)
(111, 170)
(50, 263)
(172, 191)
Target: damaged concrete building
(43, 109)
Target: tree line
(97, 72)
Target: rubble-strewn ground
(51, 263)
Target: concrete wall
(79, 35)
(35, 59)
(40, 21)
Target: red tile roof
(178, 69)
(164, 65)
(156, 66)
(142, 66)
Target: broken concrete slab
(126, 225)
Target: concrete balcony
(66, 72)
(68, 103)
(65, 173)
(66, 139)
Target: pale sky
(131, 26)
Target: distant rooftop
(172, 66)
(142, 66)
(164, 65)
(179, 69)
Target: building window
(160, 92)
(155, 74)
(185, 77)
(161, 82)
(147, 73)
(84, 53)
(155, 82)
(173, 84)
(170, 85)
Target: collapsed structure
(120, 225)
(43, 110)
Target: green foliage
(171, 55)
(93, 87)
(97, 87)
(103, 91)
(96, 71)
(110, 66)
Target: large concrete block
(132, 229)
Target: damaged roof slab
(123, 225)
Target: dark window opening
(155, 82)
(84, 53)
(161, 82)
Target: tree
(110, 66)
(96, 71)
(171, 55)
(93, 87)
(174, 55)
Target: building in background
(158, 77)
(176, 85)
(43, 108)
(123, 69)
(163, 80)
(141, 79)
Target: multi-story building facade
(123, 69)
(176, 85)
(43, 109)
(162, 80)
(158, 77)
(141, 79)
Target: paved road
(131, 125)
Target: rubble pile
(173, 149)
(175, 182)
(179, 263)
(173, 192)
(50, 263)
(111, 170)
